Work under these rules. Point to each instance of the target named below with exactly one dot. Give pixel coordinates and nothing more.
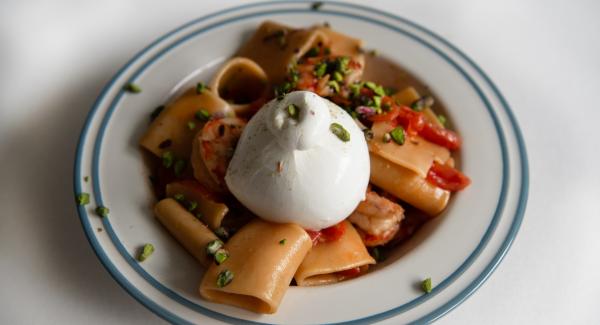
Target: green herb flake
(167, 159)
(191, 125)
(320, 69)
(398, 135)
(192, 205)
(355, 89)
(221, 256)
(202, 115)
(132, 88)
(377, 101)
(316, 5)
(282, 242)
(179, 197)
(341, 64)
(339, 131)
(224, 278)
(442, 119)
(337, 76)
(83, 198)
(156, 112)
(179, 167)
(86, 178)
(314, 51)
(213, 246)
(426, 285)
(222, 233)
(334, 85)
(102, 211)
(293, 111)
(200, 88)
(146, 251)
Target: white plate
(458, 251)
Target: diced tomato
(350, 273)
(314, 235)
(413, 122)
(334, 232)
(386, 117)
(447, 177)
(441, 136)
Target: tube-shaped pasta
(263, 257)
(416, 154)
(407, 96)
(407, 186)
(325, 260)
(210, 211)
(171, 125)
(242, 83)
(189, 231)
(341, 44)
(274, 46)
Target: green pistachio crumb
(179, 197)
(426, 285)
(224, 278)
(167, 159)
(102, 211)
(83, 198)
(213, 246)
(86, 179)
(320, 69)
(192, 205)
(179, 167)
(316, 5)
(282, 242)
(146, 251)
(191, 125)
(339, 131)
(334, 85)
(442, 119)
(132, 88)
(202, 115)
(387, 138)
(398, 135)
(337, 76)
(293, 111)
(221, 256)
(200, 88)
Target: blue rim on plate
(437, 313)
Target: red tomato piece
(350, 273)
(446, 177)
(441, 136)
(334, 232)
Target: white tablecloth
(55, 56)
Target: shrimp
(217, 144)
(377, 218)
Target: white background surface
(55, 56)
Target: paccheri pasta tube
(327, 261)
(208, 209)
(263, 257)
(408, 186)
(187, 229)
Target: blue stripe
(173, 318)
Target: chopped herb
(167, 159)
(83, 198)
(316, 5)
(337, 76)
(156, 112)
(377, 89)
(179, 197)
(102, 211)
(191, 125)
(165, 144)
(334, 85)
(132, 88)
(202, 115)
(442, 119)
(293, 111)
(146, 251)
(200, 88)
(86, 178)
(213, 246)
(221, 256)
(426, 285)
(282, 242)
(199, 215)
(192, 205)
(224, 278)
(222, 233)
(398, 135)
(377, 101)
(387, 138)
(355, 88)
(314, 51)
(339, 131)
(320, 69)
(341, 64)
(368, 134)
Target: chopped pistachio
(192, 205)
(83, 198)
(387, 138)
(102, 211)
(86, 178)
(179, 167)
(316, 5)
(426, 285)
(156, 112)
(282, 242)
(398, 135)
(442, 119)
(314, 51)
(368, 134)
(320, 69)
(179, 197)
(339, 131)
(334, 85)
(224, 278)
(200, 87)
(293, 111)
(132, 88)
(191, 125)
(213, 246)
(146, 251)
(202, 115)
(377, 101)
(337, 76)
(167, 159)
(221, 256)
